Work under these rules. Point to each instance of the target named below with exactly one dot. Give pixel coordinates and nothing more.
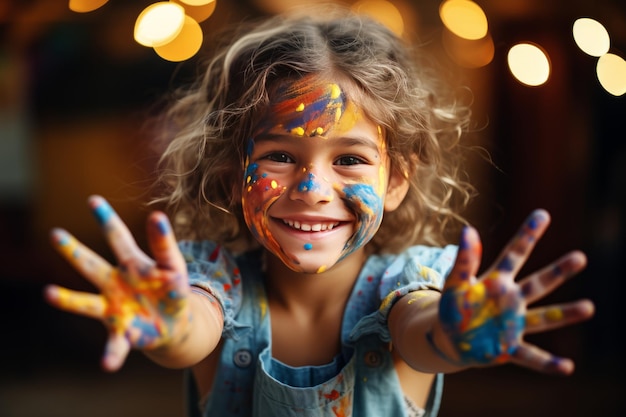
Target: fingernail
(60, 237)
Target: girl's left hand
(486, 318)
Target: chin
(310, 263)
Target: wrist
(442, 347)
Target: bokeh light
(591, 36)
(84, 6)
(529, 64)
(611, 72)
(464, 18)
(159, 23)
(468, 53)
(197, 2)
(198, 13)
(183, 46)
(384, 12)
(281, 6)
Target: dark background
(75, 89)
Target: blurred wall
(74, 89)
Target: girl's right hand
(143, 302)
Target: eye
(279, 157)
(349, 160)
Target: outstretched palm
(486, 318)
(143, 302)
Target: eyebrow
(347, 141)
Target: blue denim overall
(361, 381)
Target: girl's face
(316, 176)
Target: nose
(311, 189)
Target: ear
(397, 189)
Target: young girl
(307, 171)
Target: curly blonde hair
(207, 127)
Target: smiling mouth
(310, 227)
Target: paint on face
(309, 184)
(367, 204)
(312, 107)
(259, 194)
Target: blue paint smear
(309, 184)
(103, 213)
(505, 265)
(163, 227)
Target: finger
(84, 304)
(552, 317)
(163, 244)
(88, 263)
(521, 245)
(117, 234)
(532, 357)
(467, 260)
(115, 352)
(543, 282)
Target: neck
(313, 293)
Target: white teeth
(310, 227)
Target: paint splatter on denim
(361, 380)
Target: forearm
(417, 335)
(200, 338)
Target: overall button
(373, 358)
(243, 358)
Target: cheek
(367, 204)
(259, 192)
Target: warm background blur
(74, 91)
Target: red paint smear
(214, 254)
(332, 396)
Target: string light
(611, 71)
(84, 6)
(383, 11)
(184, 45)
(159, 24)
(529, 64)
(171, 28)
(464, 18)
(591, 37)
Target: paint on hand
(484, 319)
(103, 212)
(483, 322)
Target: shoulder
(216, 270)
(414, 260)
(416, 268)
